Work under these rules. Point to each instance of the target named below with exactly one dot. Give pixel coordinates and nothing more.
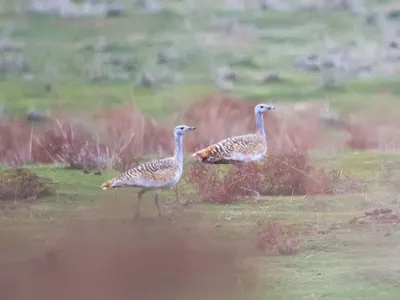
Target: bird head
(260, 108)
(181, 129)
(113, 184)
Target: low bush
(287, 174)
(115, 139)
(274, 238)
(68, 143)
(21, 183)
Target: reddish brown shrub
(111, 139)
(373, 135)
(114, 138)
(209, 183)
(129, 135)
(55, 141)
(274, 238)
(150, 260)
(15, 141)
(68, 143)
(282, 174)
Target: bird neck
(178, 148)
(260, 124)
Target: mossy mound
(21, 183)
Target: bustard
(158, 174)
(239, 149)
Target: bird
(238, 149)
(153, 175)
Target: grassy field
(93, 63)
(337, 259)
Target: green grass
(332, 276)
(19, 96)
(352, 262)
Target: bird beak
(192, 128)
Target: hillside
(162, 59)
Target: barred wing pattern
(158, 171)
(239, 149)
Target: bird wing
(161, 170)
(232, 149)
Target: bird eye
(182, 128)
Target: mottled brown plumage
(236, 149)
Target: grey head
(181, 129)
(260, 108)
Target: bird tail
(106, 185)
(203, 154)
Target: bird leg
(157, 204)
(140, 194)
